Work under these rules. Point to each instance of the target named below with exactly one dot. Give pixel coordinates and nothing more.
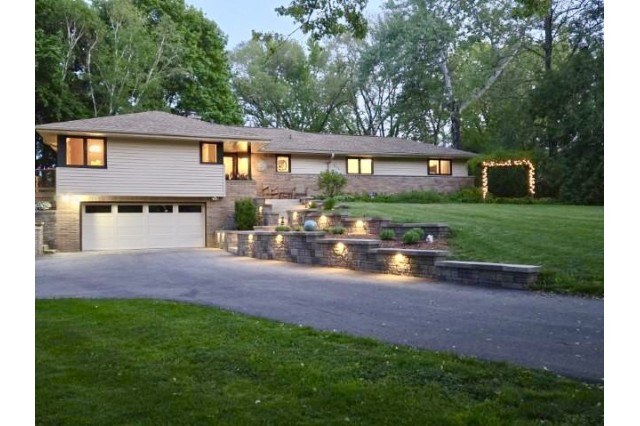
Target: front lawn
(151, 362)
(567, 241)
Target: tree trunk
(548, 40)
(456, 139)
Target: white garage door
(141, 226)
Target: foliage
(313, 205)
(282, 228)
(564, 239)
(331, 183)
(119, 56)
(328, 17)
(43, 205)
(418, 231)
(336, 230)
(280, 84)
(246, 214)
(329, 204)
(123, 361)
(411, 237)
(387, 234)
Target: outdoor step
(49, 251)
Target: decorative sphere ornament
(310, 225)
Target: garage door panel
(157, 226)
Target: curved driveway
(562, 334)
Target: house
(157, 180)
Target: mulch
(438, 244)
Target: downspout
(333, 154)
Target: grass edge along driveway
(567, 241)
(145, 361)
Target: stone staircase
(275, 210)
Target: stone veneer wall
(355, 183)
(48, 219)
(39, 238)
(488, 274)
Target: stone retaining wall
(48, 218)
(314, 248)
(488, 274)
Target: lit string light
(507, 163)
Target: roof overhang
(50, 137)
(453, 155)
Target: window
(360, 166)
(210, 152)
(440, 167)
(189, 208)
(91, 209)
(129, 208)
(283, 163)
(84, 152)
(237, 166)
(161, 208)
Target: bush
(297, 228)
(467, 195)
(411, 237)
(331, 183)
(418, 231)
(329, 204)
(336, 230)
(387, 234)
(246, 214)
(282, 228)
(313, 205)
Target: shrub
(329, 204)
(411, 237)
(297, 228)
(246, 214)
(313, 205)
(331, 183)
(336, 230)
(387, 234)
(418, 231)
(467, 195)
(282, 228)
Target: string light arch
(508, 163)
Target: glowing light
(279, 239)
(295, 215)
(250, 238)
(360, 227)
(400, 259)
(340, 249)
(323, 220)
(260, 210)
(95, 148)
(508, 163)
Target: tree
(321, 18)
(281, 85)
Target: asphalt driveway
(558, 333)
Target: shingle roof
(285, 141)
(152, 123)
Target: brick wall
(39, 235)
(48, 218)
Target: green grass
(567, 241)
(149, 362)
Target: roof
(286, 141)
(155, 123)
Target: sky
(236, 18)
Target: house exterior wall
(219, 212)
(146, 168)
(390, 175)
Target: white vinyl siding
(307, 165)
(460, 168)
(148, 169)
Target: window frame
(288, 156)
(359, 172)
(62, 151)
(219, 153)
(440, 160)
